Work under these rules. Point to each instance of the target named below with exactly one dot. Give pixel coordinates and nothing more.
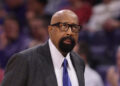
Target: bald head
(64, 15)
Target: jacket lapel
(50, 79)
(79, 68)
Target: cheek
(55, 37)
(76, 38)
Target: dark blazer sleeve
(16, 71)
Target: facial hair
(66, 47)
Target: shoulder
(34, 51)
(30, 51)
(78, 59)
(91, 74)
(27, 55)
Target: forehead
(65, 17)
(69, 19)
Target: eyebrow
(67, 23)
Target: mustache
(68, 37)
(66, 47)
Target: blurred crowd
(23, 24)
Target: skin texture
(64, 16)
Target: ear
(50, 30)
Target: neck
(64, 54)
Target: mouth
(67, 41)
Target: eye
(63, 26)
(74, 26)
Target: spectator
(3, 13)
(15, 40)
(103, 43)
(55, 5)
(82, 9)
(17, 7)
(106, 10)
(3, 40)
(38, 28)
(37, 6)
(92, 78)
(113, 74)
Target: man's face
(38, 29)
(11, 29)
(64, 40)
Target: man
(53, 64)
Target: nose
(69, 31)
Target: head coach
(51, 64)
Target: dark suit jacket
(34, 67)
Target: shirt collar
(57, 57)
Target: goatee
(66, 47)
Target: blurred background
(23, 24)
